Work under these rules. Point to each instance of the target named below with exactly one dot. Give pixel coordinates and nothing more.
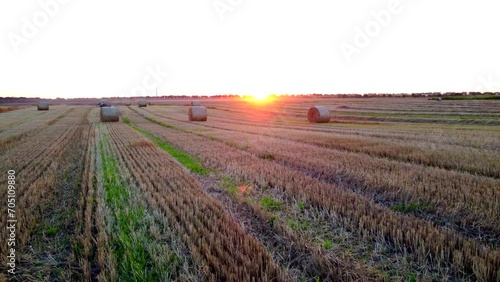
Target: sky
(76, 48)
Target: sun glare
(259, 97)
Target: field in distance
(391, 189)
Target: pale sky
(76, 48)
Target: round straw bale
(195, 103)
(318, 114)
(143, 103)
(198, 113)
(110, 114)
(43, 106)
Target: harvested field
(8, 109)
(390, 189)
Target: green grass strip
(130, 255)
(129, 233)
(162, 123)
(184, 158)
(472, 97)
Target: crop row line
(212, 236)
(437, 245)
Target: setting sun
(259, 97)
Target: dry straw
(195, 103)
(110, 114)
(318, 114)
(43, 106)
(198, 113)
(143, 104)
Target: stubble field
(390, 189)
